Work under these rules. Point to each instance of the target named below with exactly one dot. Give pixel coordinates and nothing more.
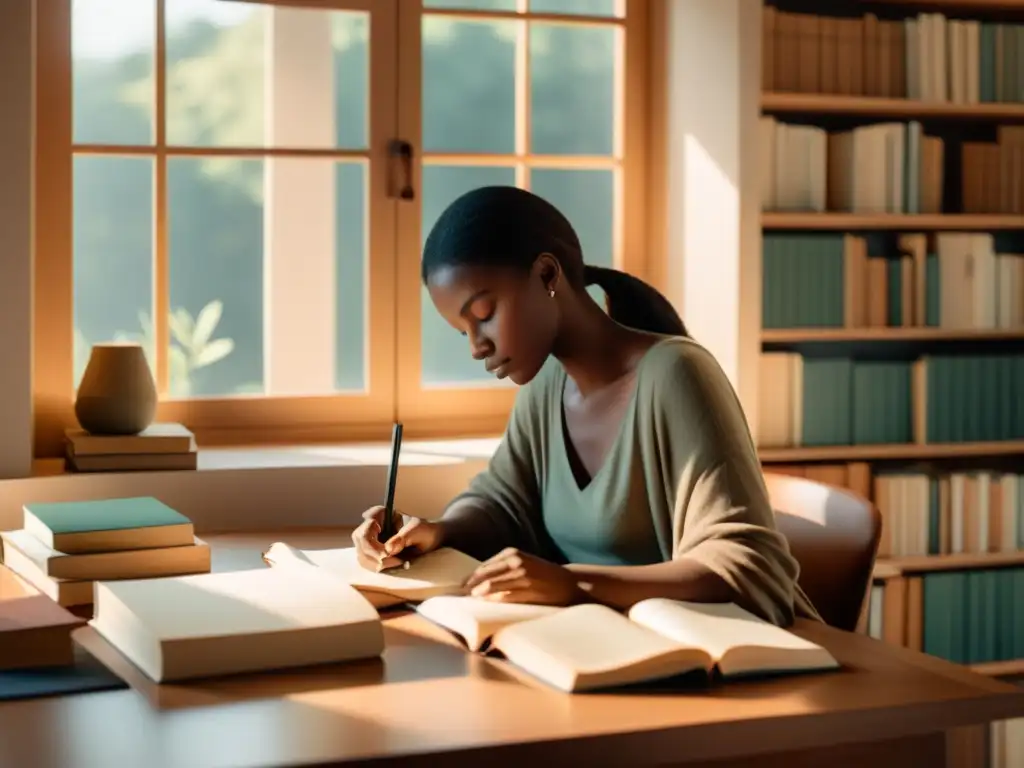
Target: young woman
(627, 470)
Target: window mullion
(161, 268)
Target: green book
(107, 525)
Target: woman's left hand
(512, 576)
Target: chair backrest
(834, 535)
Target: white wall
(16, 160)
(709, 104)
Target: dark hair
(510, 227)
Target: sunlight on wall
(712, 227)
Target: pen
(387, 528)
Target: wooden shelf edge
(1000, 668)
(894, 451)
(887, 568)
(929, 333)
(890, 221)
(877, 106)
(964, 5)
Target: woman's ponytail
(634, 303)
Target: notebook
(441, 572)
(213, 624)
(591, 646)
(107, 525)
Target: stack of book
(62, 548)
(158, 447)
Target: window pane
(581, 7)
(112, 44)
(446, 355)
(476, 5)
(572, 89)
(244, 75)
(351, 260)
(587, 198)
(267, 276)
(215, 221)
(113, 253)
(469, 88)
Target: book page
(442, 571)
(589, 646)
(738, 639)
(476, 619)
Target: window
(221, 181)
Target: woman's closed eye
(482, 310)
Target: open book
(591, 646)
(441, 572)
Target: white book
(239, 621)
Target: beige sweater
(682, 479)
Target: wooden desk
(430, 703)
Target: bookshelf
(892, 185)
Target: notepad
(441, 572)
(591, 646)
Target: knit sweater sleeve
(720, 513)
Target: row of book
(951, 280)
(973, 617)
(956, 513)
(63, 548)
(890, 167)
(806, 401)
(928, 57)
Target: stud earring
(551, 293)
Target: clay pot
(117, 395)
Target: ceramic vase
(117, 395)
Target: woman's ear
(549, 271)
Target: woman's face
(507, 315)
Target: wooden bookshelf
(877, 106)
(801, 335)
(890, 452)
(933, 563)
(852, 222)
(959, 130)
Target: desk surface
(428, 697)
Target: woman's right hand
(415, 537)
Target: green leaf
(181, 327)
(178, 372)
(216, 350)
(206, 323)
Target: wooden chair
(834, 535)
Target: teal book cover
(105, 515)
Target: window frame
(394, 390)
